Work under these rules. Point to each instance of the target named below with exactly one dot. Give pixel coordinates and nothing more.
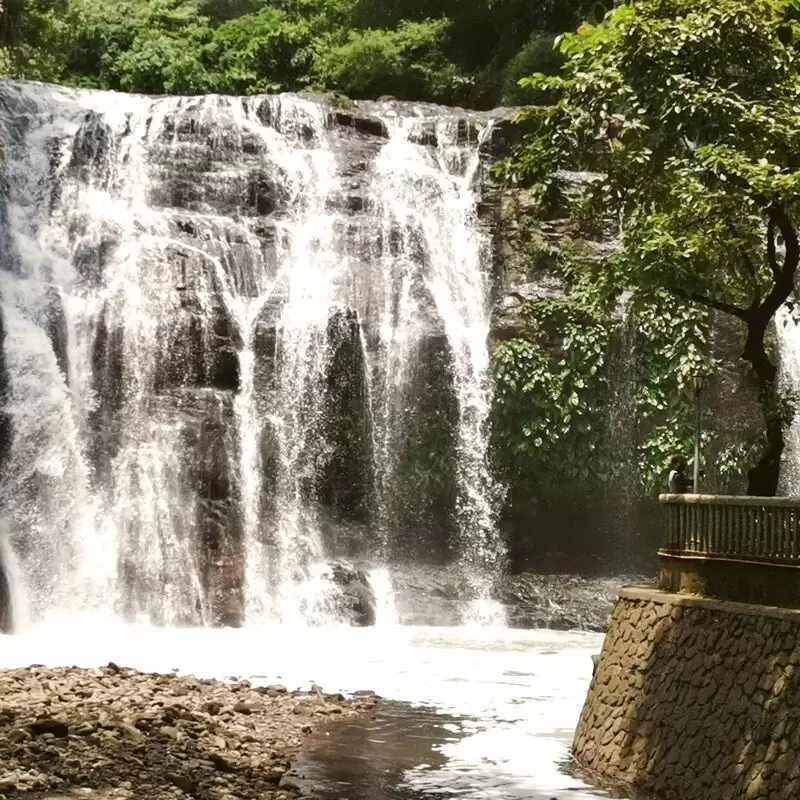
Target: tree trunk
(762, 479)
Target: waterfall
(429, 197)
(788, 334)
(243, 337)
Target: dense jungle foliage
(454, 51)
(686, 115)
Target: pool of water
(483, 713)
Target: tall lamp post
(698, 383)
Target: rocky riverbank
(118, 733)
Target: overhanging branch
(785, 273)
(772, 255)
(710, 302)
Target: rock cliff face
(5, 446)
(5, 602)
(265, 320)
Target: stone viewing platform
(117, 733)
(734, 548)
(695, 699)
(696, 696)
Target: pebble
(84, 732)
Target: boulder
(355, 599)
(5, 600)
(92, 150)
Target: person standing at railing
(677, 481)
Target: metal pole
(697, 442)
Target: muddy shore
(118, 733)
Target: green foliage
(673, 347)
(264, 52)
(539, 54)
(152, 47)
(686, 112)
(34, 37)
(550, 395)
(590, 369)
(406, 62)
(449, 50)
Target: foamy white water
(788, 332)
(181, 281)
(519, 693)
(431, 197)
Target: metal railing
(761, 529)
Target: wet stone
(168, 753)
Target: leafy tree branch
(687, 113)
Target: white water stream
(517, 694)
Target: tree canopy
(686, 115)
(455, 51)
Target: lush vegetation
(684, 112)
(592, 392)
(457, 51)
(687, 114)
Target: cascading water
(217, 312)
(429, 197)
(788, 330)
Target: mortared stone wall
(695, 699)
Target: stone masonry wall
(695, 699)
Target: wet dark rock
(264, 113)
(55, 323)
(356, 599)
(5, 599)
(190, 175)
(426, 135)
(108, 373)
(369, 126)
(422, 502)
(343, 483)
(265, 194)
(560, 602)
(208, 436)
(434, 596)
(204, 418)
(93, 253)
(265, 343)
(505, 133)
(6, 429)
(198, 347)
(468, 131)
(92, 149)
(56, 727)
